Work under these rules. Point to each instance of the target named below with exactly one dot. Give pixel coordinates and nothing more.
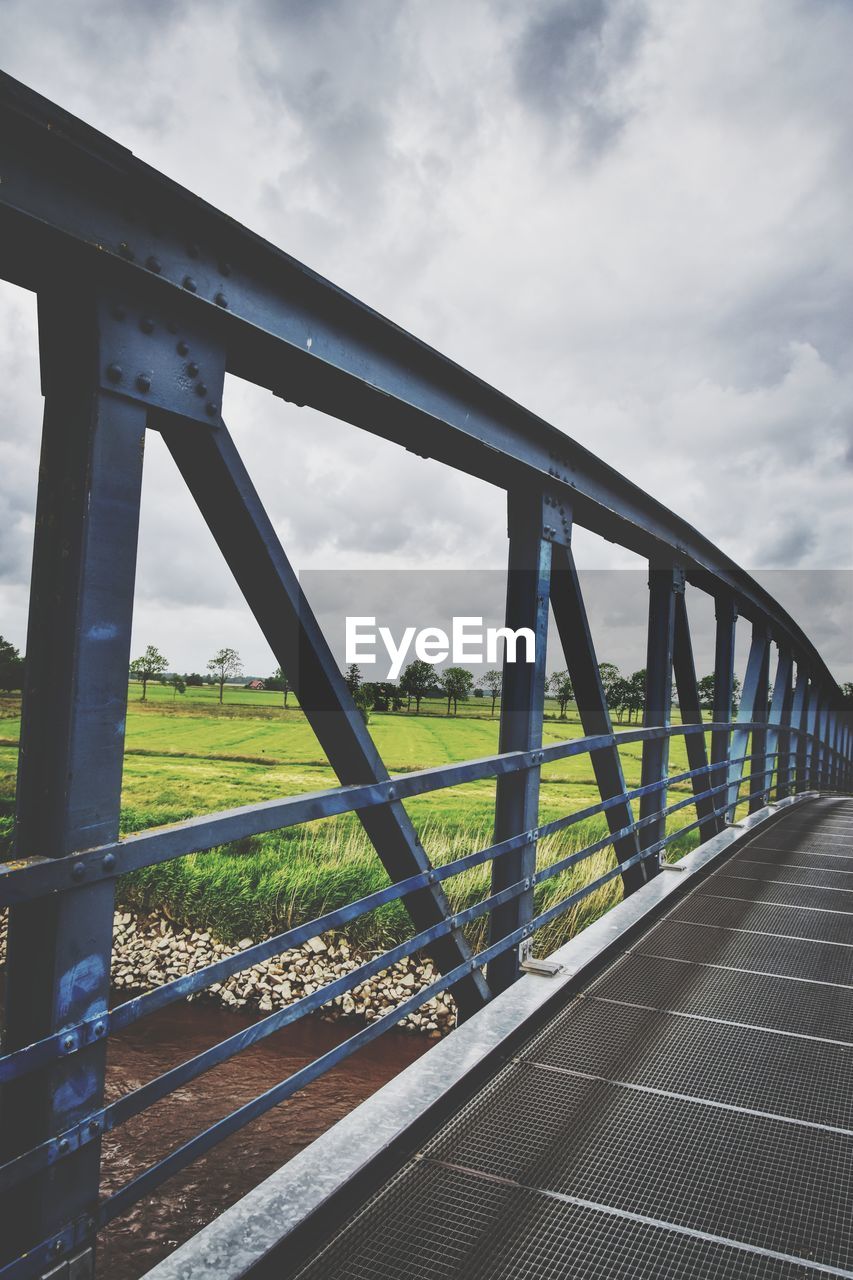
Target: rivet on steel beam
(58, 1246)
(221, 300)
(126, 251)
(68, 1043)
(192, 369)
(391, 793)
(146, 324)
(110, 858)
(78, 871)
(99, 1028)
(190, 284)
(94, 1126)
(64, 1146)
(201, 389)
(153, 264)
(143, 383)
(211, 410)
(183, 348)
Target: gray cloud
(681, 306)
(567, 59)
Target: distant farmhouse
(256, 684)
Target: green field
(189, 755)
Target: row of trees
(153, 665)
(625, 695)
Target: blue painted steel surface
(146, 318)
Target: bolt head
(190, 284)
(99, 1028)
(183, 348)
(109, 861)
(78, 871)
(64, 1146)
(143, 383)
(221, 300)
(153, 264)
(94, 1126)
(211, 410)
(57, 1247)
(114, 373)
(201, 389)
(68, 1044)
(192, 369)
(126, 251)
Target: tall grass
(269, 883)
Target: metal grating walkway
(688, 1114)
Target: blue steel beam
(755, 680)
(664, 585)
(691, 713)
(522, 703)
(724, 686)
(72, 735)
(218, 481)
(578, 647)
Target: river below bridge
(184, 1204)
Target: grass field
(189, 755)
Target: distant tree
(847, 690)
(353, 677)
(456, 683)
(11, 666)
(150, 666)
(178, 684)
(560, 687)
(363, 698)
(610, 677)
(416, 681)
(620, 694)
(493, 682)
(193, 680)
(705, 687)
(223, 666)
(279, 680)
(636, 693)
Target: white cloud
(631, 217)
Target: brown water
(184, 1204)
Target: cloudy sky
(631, 215)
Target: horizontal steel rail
(27, 879)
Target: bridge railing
(147, 297)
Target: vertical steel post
(799, 721)
(72, 738)
(753, 704)
(758, 759)
(814, 735)
(522, 705)
(783, 740)
(781, 700)
(691, 713)
(579, 650)
(724, 686)
(664, 585)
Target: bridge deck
(689, 1113)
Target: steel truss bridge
(674, 1098)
